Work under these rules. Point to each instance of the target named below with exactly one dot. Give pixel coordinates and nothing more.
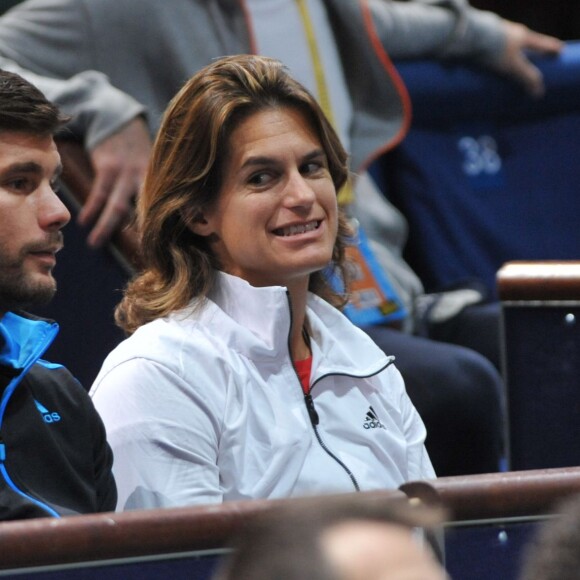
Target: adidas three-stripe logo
(372, 420)
(47, 416)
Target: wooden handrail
(524, 281)
(109, 536)
(499, 495)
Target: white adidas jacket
(205, 406)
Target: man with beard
(54, 458)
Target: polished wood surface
(499, 495)
(539, 281)
(140, 533)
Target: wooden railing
(525, 281)
(499, 495)
(109, 536)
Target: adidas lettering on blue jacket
(205, 406)
(54, 458)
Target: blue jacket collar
(23, 339)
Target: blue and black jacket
(54, 457)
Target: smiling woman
(275, 221)
(240, 378)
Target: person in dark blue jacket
(54, 457)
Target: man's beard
(19, 290)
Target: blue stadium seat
(487, 173)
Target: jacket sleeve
(106, 489)
(49, 43)
(81, 97)
(164, 435)
(419, 465)
(438, 28)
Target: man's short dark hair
(25, 109)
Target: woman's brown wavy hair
(185, 174)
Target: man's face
(31, 217)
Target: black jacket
(54, 457)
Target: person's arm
(113, 128)
(418, 463)
(454, 29)
(164, 434)
(513, 60)
(53, 40)
(105, 487)
(119, 161)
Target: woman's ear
(197, 222)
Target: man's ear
(197, 222)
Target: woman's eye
(259, 179)
(311, 167)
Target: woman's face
(275, 221)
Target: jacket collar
(24, 338)
(256, 323)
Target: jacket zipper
(314, 418)
(313, 414)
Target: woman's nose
(299, 191)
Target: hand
(514, 62)
(119, 162)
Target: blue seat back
(487, 174)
